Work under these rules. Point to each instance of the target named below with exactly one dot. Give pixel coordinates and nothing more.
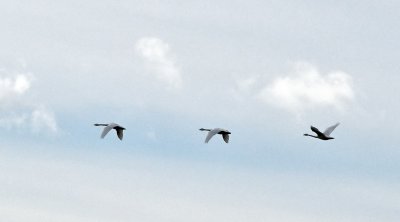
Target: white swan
(109, 127)
(325, 135)
(212, 132)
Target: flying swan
(109, 127)
(325, 135)
(212, 132)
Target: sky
(264, 70)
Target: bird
(325, 135)
(109, 127)
(212, 132)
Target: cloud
(156, 54)
(308, 88)
(38, 120)
(17, 108)
(42, 118)
(10, 87)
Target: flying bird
(212, 132)
(109, 127)
(325, 135)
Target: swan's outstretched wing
(315, 130)
(211, 134)
(120, 133)
(330, 129)
(226, 137)
(106, 130)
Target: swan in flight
(325, 135)
(212, 132)
(109, 127)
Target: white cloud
(22, 84)
(308, 88)
(43, 119)
(18, 109)
(157, 55)
(10, 87)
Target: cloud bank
(307, 88)
(158, 58)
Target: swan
(325, 135)
(212, 132)
(109, 127)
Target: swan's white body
(211, 132)
(325, 135)
(119, 129)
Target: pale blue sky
(265, 70)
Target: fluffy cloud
(307, 88)
(17, 110)
(14, 86)
(156, 54)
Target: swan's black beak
(228, 132)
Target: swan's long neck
(202, 129)
(310, 135)
(100, 124)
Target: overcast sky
(265, 70)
